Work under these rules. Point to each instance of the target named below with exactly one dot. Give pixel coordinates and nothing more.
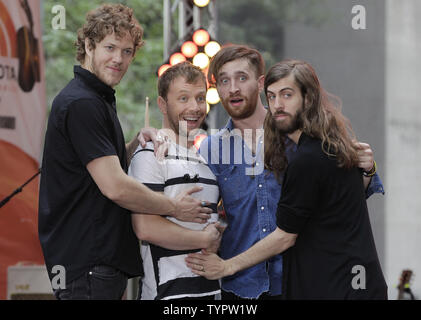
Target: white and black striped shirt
(166, 274)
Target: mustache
(279, 113)
(236, 96)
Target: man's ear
(88, 48)
(162, 105)
(261, 83)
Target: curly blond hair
(105, 20)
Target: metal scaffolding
(190, 18)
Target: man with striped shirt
(182, 101)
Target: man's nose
(194, 105)
(278, 104)
(234, 87)
(118, 56)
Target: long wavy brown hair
(321, 118)
(105, 20)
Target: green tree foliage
(139, 81)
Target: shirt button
(257, 164)
(260, 185)
(264, 229)
(263, 208)
(225, 179)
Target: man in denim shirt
(250, 194)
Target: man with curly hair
(86, 197)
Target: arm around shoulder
(128, 193)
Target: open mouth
(192, 121)
(236, 102)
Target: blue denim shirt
(250, 196)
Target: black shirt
(78, 226)
(334, 256)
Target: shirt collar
(92, 81)
(230, 125)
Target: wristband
(371, 172)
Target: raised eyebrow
(287, 88)
(236, 73)
(282, 90)
(183, 91)
(241, 73)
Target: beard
(250, 103)
(287, 127)
(101, 75)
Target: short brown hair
(233, 52)
(105, 20)
(188, 71)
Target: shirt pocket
(234, 185)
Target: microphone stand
(5, 200)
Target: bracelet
(371, 172)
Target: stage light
(162, 69)
(212, 96)
(177, 58)
(198, 140)
(197, 47)
(201, 60)
(189, 49)
(212, 48)
(201, 37)
(201, 3)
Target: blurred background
(364, 51)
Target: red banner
(22, 124)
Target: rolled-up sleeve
(375, 186)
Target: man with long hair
(86, 195)
(323, 226)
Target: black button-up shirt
(78, 226)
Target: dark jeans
(98, 283)
(225, 295)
